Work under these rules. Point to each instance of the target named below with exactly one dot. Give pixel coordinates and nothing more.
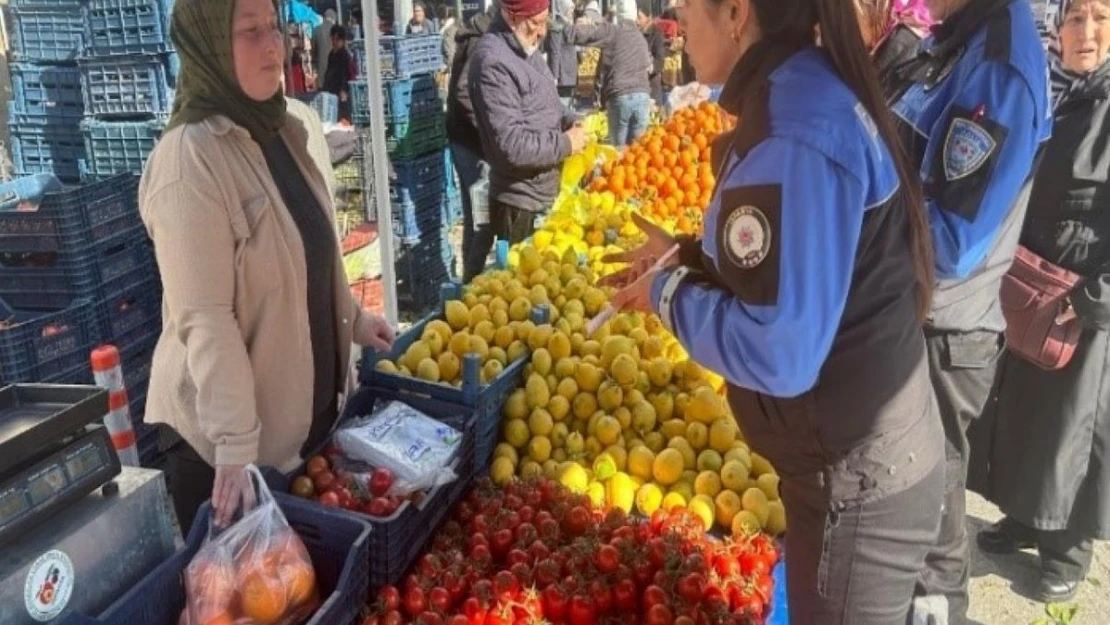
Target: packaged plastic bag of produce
(255, 572)
(688, 95)
(416, 448)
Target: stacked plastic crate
(127, 77)
(47, 37)
(420, 176)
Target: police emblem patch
(748, 236)
(967, 146)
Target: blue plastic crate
(410, 55)
(415, 220)
(452, 208)
(418, 178)
(46, 148)
(396, 542)
(401, 99)
(52, 4)
(116, 27)
(337, 543)
(114, 147)
(129, 303)
(486, 399)
(422, 268)
(52, 92)
(126, 86)
(325, 104)
(50, 33)
(44, 345)
(414, 137)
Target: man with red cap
(526, 130)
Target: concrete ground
(1001, 586)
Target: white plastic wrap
(414, 447)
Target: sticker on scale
(49, 586)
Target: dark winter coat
(562, 55)
(657, 47)
(626, 64)
(1049, 464)
(461, 126)
(520, 119)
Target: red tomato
(554, 604)
(602, 595)
(389, 598)
(315, 466)
(766, 586)
(323, 480)
(684, 620)
(625, 597)
(516, 556)
(481, 557)
(500, 542)
(393, 617)
(459, 619)
(526, 533)
(539, 551)
(642, 572)
(583, 611)
(527, 514)
(429, 618)
(439, 599)
(378, 507)
(608, 559)
(658, 552)
(653, 596)
(381, 480)
(329, 500)
(659, 615)
(692, 587)
(548, 530)
(546, 573)
(577, 521)
(415, 601)
(522, 573)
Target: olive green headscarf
(206, 85)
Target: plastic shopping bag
(256, 572)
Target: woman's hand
(658, 243)
(231, 489)
(382, 334)
(637, 295)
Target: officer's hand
(658, 243)
(636, 296)
(628, 275)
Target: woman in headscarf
(257, 318)
(1049, 465)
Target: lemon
(385, 365)
(707, 483)
(734, 476)
(433, 341)
(624, 370)
(564, 369)
(590, 348)
(559, 407)
(505, 450)
(674, 428)
(728, 505)
(491, 370)
(619, 455)
(649, 498)
(685, 489)
(503, 337)
(558, 454)
(643, 417)
(608, 430)
(558, 436)
(614, 346)
(697, 435)
(596, 493)
(609, 396)
(709, 460)
(457, 314)
(539, 449)
(530, 470)
(620, 492)
(704, 407)
(573, 477)
(516, 351)
(652, 349)
(704, 509)
(479, 346)
(755, 501)
(575, 444)
(536, 391)
(689, 457)
(776, 519)
(516, 406)
(588, 377)
(516, 433)
(499, 316)
(440, 327)
(559, 345)
(640, 463)
(655, 441)
(745, 524)
(540, 422)
(539, 337)
(667, 467)
(416, 352)
(769, 484)
(593, 447)
(760, 465)
(722, 434)
(584, 405)
(524, 330)
(502, 471)
(479, 316)
(541, 361)
(673, 501)
(659, 371)
(624, 417)
(741, 455)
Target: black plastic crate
(52, 92)
(48, 32)
(126, 87)
(46, 345)
(121, 27)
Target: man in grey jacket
(526, 132)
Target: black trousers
(962, 368)
(510, 223)
(1065, 555)
(189, 479)
(857, 566)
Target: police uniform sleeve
(779, 250)
(979, 156)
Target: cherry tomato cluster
(534, 552)
(337, 489)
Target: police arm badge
(748, 249)
(965, 161)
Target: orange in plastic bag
(256, 572)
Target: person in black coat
(657, 46)
(1049, 446)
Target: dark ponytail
(790, 21)
(842, 40)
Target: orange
(262, 597)
(219, 618)
(299, 580)
(210, 583)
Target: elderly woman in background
(1049, 464)
(257, 319)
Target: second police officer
(973, 111)
(807, 294)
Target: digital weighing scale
(76, 530)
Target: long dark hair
(794, 20)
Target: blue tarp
(297, 12)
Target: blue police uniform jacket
(801, 293)
(974, 109)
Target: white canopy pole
(375, 153)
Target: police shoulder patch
(967, 147)
(747, 236)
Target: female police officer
(807, 294)
(972, 110)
